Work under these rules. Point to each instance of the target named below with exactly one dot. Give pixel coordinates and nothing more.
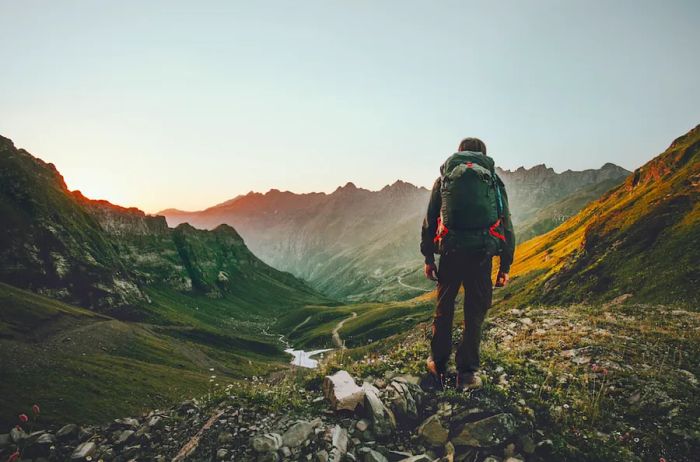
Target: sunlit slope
(641, 238)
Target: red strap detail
(441, 230)
(469, 164)
(493, 232)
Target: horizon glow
(173, 105)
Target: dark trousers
(474, 272)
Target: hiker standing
(467, 223)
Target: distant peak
(349, 186)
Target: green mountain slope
(97, 297)
(642, 238)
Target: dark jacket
(427, 247)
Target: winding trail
(337, 341)
(398, 278)
(299, 325)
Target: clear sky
(185, 104)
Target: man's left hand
(502, 279)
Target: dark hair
(472, 144)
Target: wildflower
(36, 409)
(23, 418)
(13, 457)
(211, 369)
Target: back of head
(473, 145)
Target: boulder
(383, 420)
(83, 451)
(68, 432)
(487, 432)
(222, 454)
(418, 458)
(297, 434)
(433, 432)
(342, 392)
(405, 399)
(269, 442)
(339, 441)
(370, 455)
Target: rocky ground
(393, 418)
(579, 383)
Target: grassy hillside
(85, 367)
(642, 238)
(106, 310)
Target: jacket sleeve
(509, 233)
(427, 247)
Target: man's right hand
(430, 271)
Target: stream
(300, 358)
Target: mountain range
(92, 292)
(361, 245)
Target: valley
(591, 352)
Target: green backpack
(471, 207)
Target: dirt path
(337, 341)
(299, 325)
(398, 278)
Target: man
(467, 223)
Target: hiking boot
(437, 373)
(468, 381)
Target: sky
(186, 104)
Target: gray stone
(383, 420)
(285, 452)
(396, 456)
(124, 437)
(84, 450)
(297, 434)
(405, 399)
(339, 439)
(487, 432)
(322, 456)
(222, 454)
(418, 458)
(155, 421)
(362, 425)
(225, 438)
(342, 392)
(370, 455)
(269, 442)
(46, 438)
(17, 435)
(433, 432)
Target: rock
(155, 421)
(418, 458)
(68, 432)
(406, 400)
(297, 434)
(492, 459)
(433, 432)
(396, 456)
(528, 444)
(487, 432)
(514, 459)
(46, 438)
(362, 425)
(342, 392)
(225, 438)
(270, 442)
(370, 455)
(17, 435)
(339, 442)
(222, 454)
(285, 452)
(83, 451)
(322, 456)
(383, 420)
(127, 423)
(124, 437)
